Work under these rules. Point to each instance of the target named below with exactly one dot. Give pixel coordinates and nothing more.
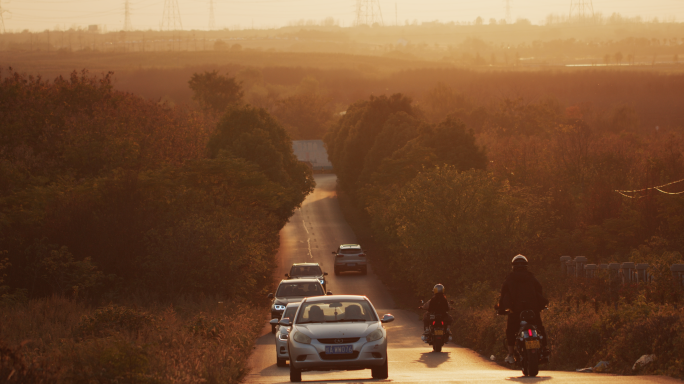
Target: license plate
(439, 332)
(532, 344)
(351, 265)
(339, 349)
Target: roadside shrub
(116, 318)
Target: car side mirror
(329, 293)
(287, 275)
(388, 318)
(270, 296)
(285, 322)
(422, 302)
(325, 273)
(334, 253)
(274, 321)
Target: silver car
(282, 333)
(293, 291)
(337, 333)
(350, 257)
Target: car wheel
(281, 362)
(381, 372)
(295, 374)
(337, 272)
(364, 271)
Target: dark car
(308, 271)
(350, 257)
(293, 291)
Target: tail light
(530, 332)
(363, 255)
(433, 323)
(338, 255)
(441, 323)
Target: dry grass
(62, 340)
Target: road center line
(308, 242)
(304, 222)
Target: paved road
(312, 234)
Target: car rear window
(306, 270)
(290, 312)
(336, 311)
(352, 251)
(300, 289)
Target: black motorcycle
(528, 350)
(439, 333)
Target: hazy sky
(37, 15)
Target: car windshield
(336, 311)
(290, 311)
(306, 270)
(300, 289)
(352, 251)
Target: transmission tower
(171, 20)
(368, 12)
(211, 15)
(508, 12)
(581, 10)
(127, 17)
(2, 18)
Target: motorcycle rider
(522, 291)
(438, 304)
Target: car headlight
(283, 335)
(279, 307)
(322, 281)
(301, 338)
(375, 335)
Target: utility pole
(582, 10)
(48, 39)
(127, 17)
(508, 12)
(171, 20)
(211, 15)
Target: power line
(127, 17)
(658, 188)
(171, 20)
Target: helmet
(439, 288)
(519, 260)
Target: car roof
(307, 280)
(336, 297)
(343, 246)
(306, 264)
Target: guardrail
(627, 272)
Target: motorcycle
(439, 333)
(528, 351)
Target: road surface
(317, 229)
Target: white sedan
(337, 333)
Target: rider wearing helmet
(521, 291)
(438, 304)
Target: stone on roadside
(492, 358)
(643, 360)
(602, 366)
(585, 370)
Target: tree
(254, 135)
(215, 92)
(305, 116)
